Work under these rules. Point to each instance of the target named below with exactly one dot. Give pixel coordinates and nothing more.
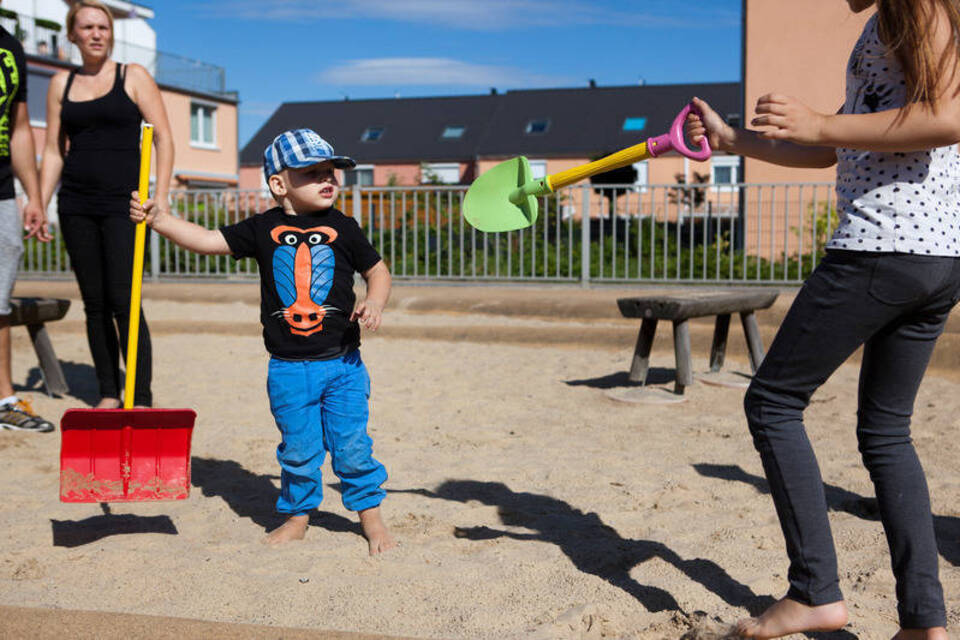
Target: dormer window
(634, 124)
(453, 132)
(372, 134)
(537, 126)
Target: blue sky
(278, 51)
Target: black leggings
(895, 305)
(101, 254)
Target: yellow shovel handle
(622, 158)
(133, 334)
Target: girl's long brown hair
(906, 27)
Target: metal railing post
(585, 238)
(154, 256)
(357, 209)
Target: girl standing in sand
(888, 282)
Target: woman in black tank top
(93, 150)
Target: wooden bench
(34, 313)
(679, 308)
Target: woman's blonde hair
(905, 27)
(75, 8)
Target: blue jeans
(895, 305)
(320, 406)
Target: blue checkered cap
(300, 148)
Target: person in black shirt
(92, 150)
(308, 252)
(17, 156)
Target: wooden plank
(719, 348)
(25, 311)
(754, 343)
(681, 350)
(53, 378)
(681, 307)
(641, 353)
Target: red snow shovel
(127, 455)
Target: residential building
(453, 139)
(202, 113)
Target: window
(537, 126)
(725, 171)
(453, 132)
(538, 169)
(634, 124)
(203, 124)
(372, 134)
(643, 176)
(361, 175)
(440, 173)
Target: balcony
(46, 39)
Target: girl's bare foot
(108, 403)
(933, 633)
(375, 531)
(789, 616)
(295, 528)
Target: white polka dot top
(894, 202)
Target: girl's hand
(35, 223)
(369, 314)
(720, 135)
(148, 212)
(791, 120)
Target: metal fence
(735, 234)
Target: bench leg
(641, 353)
(752, 333)
(50, 369)
(719, 348)
(681, 349)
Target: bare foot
(108, 403)
(933, 633)
(295, 528)
(375, 531)
(789, 616)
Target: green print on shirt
(9, 85)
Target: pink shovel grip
(674, 140)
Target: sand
(528, 504)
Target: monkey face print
(303, 267)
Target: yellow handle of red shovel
(133, 334)
(621, 158)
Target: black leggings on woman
(101, 254)
(895, 306)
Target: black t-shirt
(307, 263)
(13, 89)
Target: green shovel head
(488, 206)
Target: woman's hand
(790, 120)
(720, 135)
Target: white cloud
(398, 72)
(496, 15)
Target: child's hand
(369, 313)
(148, 211)
(791, 120)
(720, 135)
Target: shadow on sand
(947, 528)
(596, 548)
(80, 377)
(655, 375)
(76, 533)
(251, 495)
